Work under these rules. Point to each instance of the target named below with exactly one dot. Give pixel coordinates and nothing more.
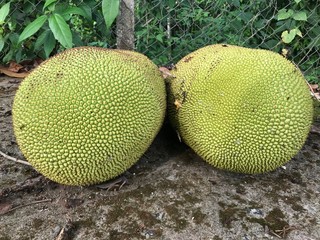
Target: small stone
(160, 216)
(56, 231)
(245, 237)
(148, 233)
(255, 211)
(171, 178)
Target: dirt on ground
(169, 194)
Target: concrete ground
(170, 194)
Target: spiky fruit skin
(242, 110)
(88, 114)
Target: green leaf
(159, 38)
(14, 37)
(297, 1)
(8, 56)
(298, 32)
(171, 3)
(110, 10)
(1, 43)
(4, 11)
(284, 14)
(50, 43)
(236, 3)
(288, 36)
(300, 16)
(18, 55)
(47, 3)
(76, 10)
(60, 30)
(32, 28)
(87, 10)
(47, 40)
(76, 39)
(41, 39)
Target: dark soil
(171, 194)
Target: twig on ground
(28, 184)
(14, 159)
(28, 204)
(12, 95)
(275, 234)
(282, 233)
(66, 231)
(115, 184)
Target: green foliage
(4, 11)
(168, 30)
(194, 24)
(165, 30)
(32, 28)
(110, 10)
(42, 28)
(60, 30)
(298, 24)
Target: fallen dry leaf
(314, 86)
(317, 95)
(14, 67)
(113, 184)
(314, 90)
(165, 73)
(5, 207)
(13, 74)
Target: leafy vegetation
(168, 30)
(165, 30)
(32, 29)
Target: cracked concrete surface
(171, 194)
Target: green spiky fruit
(243, 110)
(86, 115)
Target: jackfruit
(88, 114)
(240, 109)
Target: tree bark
(125, 25)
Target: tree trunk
(125, 25)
